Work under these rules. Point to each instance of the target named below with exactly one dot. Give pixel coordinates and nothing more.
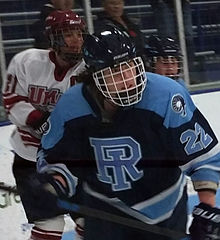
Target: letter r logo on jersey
(116, 160)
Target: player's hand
(38, 121)
(56, 185)
(206, 223)
(43, 198)
(41, 125)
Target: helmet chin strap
(62, 63)
(109, 104)
(109, 110)
(69, 58)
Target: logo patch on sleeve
(178, 105)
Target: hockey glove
(43, 197)
(206, 223)
(55, 186)
(38, 121)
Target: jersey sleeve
(191, 139)
(59, 147)
(15, 91)
(63, 142)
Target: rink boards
(12, 218)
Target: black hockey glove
(43, 197)
(38, 121)
(206, 223)
(54, 186)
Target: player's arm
(58, 177)
(194, 144)
(55, 152)
(208, 197)
(196, 147)
(16, 99)
(206, 216)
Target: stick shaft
(91, 212)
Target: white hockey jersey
(34, 81)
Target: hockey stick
(8, 188)
(91, 212)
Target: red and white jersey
(34, 81)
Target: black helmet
(110, 55)
(163, 48)
(108, 48)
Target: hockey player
(131, 137)
(36, 79)
(164, 57)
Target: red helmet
(60, 20)
(60, 23)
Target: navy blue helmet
(167, 51)
(118, 74)
(157, 46)
(108, 48)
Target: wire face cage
(122, 84)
